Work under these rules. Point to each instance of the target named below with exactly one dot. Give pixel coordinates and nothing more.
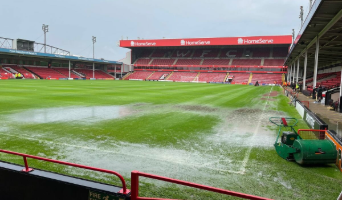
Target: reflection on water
(66, 114)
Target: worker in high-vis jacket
(297, 87)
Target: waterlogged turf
(213, 134)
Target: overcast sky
(72, 23)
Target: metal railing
(135, 187)
(27, 169)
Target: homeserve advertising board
(257, 40)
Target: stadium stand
(206, 53)
(88, 73)
(45, 73)
(6, 74)
(260, 52)
(183, 76)
(16, 69)
(246, 62)
(240, 77)
(267, 78)
(158, 76)
(185, 53)
(65, 72)
(273, 62)
(280, 52)
(188, 61)
(212, 77)
(161, 53)
(146, 53)
(143, 61)
(231, 53)
(216, 61)
(163, 61)
(138, 75)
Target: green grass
(204, 133)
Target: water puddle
(71, 114)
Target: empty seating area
(267, 78)
(163, 61)
(161, 53)
(145, 53)
(183, 76)
(206, 53)
(261, 52)
(158, 75)
(89, 73)
(143, 61)
(4, 73)
(246, 62)
(139, 75)
(45, 73)
(185, 53)
(280, 51)
(65, 72)
(273, 62)
(231, 53)
(188, 62)
(240, 77)
(211, 77)
(216, 62)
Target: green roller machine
(305, 146)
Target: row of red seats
(158, 75)
(267, 62)
(267, 78)
(183, 76)
(89, 73)
(45, 73)
(240, 77)
(214, 52)
(212, 77)
(21, 70)
(65, 72)
(140, 75)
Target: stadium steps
(192, 54)
(231, 61)
(262, 61)
(151, 53)
(150, 75)
(150, 61)
(225, 78)
(169, 76)
(11, 70)
(39, 77)
(174, 63)
(219, 54)
(250, 78)
(78, 73)
(106, 73)
(6, 70)
(201, 61)
(196, 76)
(124, 77)
(129, 74)
(283, 78)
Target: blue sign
(57, 56)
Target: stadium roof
(222, 41)
(323, 22)
(13, 52)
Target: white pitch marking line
(249, 150)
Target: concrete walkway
(332, 118)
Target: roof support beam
(337, 17)
(316, 64)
